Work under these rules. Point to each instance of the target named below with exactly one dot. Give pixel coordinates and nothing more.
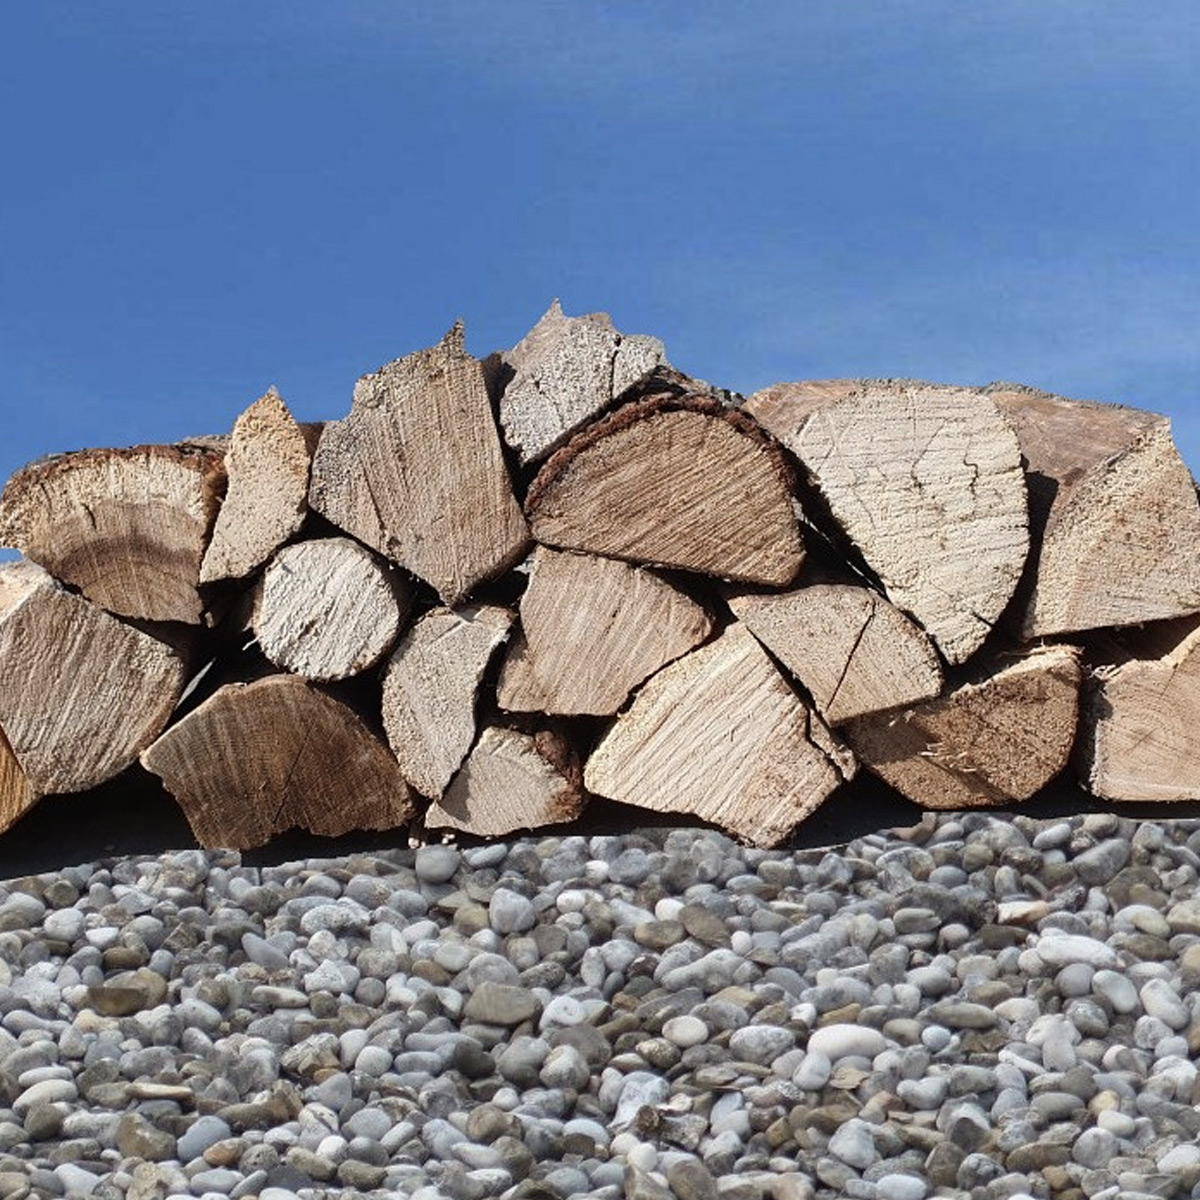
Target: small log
(565, 372)
(926, 482)
(128, 528)
(511, 781)
(267, 465)
(328, 608)
(720, 735)
(17, 795)
(416, 471)
(674, 481)
(1114, 514)
(995, 740)
(430, 687)
(853, 651)
(256, 759)
(594, 628)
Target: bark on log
(257, 759)
(328, 609)
(267, 465)
(993, 741)
(17, 795)
(926, 481)
(1116, 523)
(720, 735)
(128, 528)
(430, 688)
(593, 629)
(674, 481)
(511, 781)
(416, 471)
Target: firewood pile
(498, 588)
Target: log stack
(496, 590)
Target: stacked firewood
(497, 588)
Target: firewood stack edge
(498, 588)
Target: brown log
(128, 528)
(430, 687)
(17, 795)
(256, 759)
(673, 481)
(593, 629)
(719, 735)
(267, 465)
(926, 481)
(994, 740)
(328, 608)
(416, 471)
(1116, 523)
(511, 781)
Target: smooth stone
(843, 1040)
(510, 912)
(1058, 949)
(685, 1031)
(501, 1004)
(854, 1144)
(894, 1186)
(204, 1132)
(436, 864)
(1118, 990)
(639, 1089)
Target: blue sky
(198, 200)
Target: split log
(511, 781)
(328, 609)
(128, 528)
(416, 471)
(430, 687)
(674, 481)
(81, 693)
(17, 795)
(267, 465)
(995, 740)
(256, 759)
(1116, 523)
(853, 652)
(565, 372)
(720, 735)
(593, 629)
(926, 482)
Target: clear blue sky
(198, 200)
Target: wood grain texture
(995, 740)
(416, 471)
(128, 528)
(674, 481)
(256, 759)
(718, 734)
(17, 794)
(593, 629)
(926, 481)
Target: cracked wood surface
(17, 794)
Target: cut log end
(17, 794)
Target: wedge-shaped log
(594, 628)
(1116, 523)
(267, 465)
(720, 735)
(128, 528)
(926, 481)
(430, 687)
(256, 759)
(416, 471)
(992, 741)
(853, 652)
(511, 781)
(675, 481)
(17, 795)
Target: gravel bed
(982, 1006)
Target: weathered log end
(17, 794)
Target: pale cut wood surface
(81, 693)
(416, 471)
(430, 687)
(328, 608)
(267, 466)
(593, 629)
(926, 481)
(674, 481)
(995, 740)
(128, 528)
(256, 759)
(1115, 515)
(854, 652)
(511, 781)
(721, 735)
(17, 795)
